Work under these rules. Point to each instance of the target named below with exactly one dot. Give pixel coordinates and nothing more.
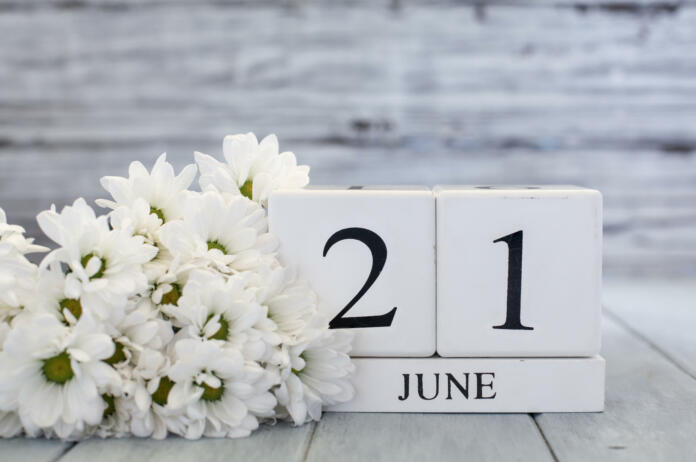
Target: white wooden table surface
(650, 348)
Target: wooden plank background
(600, 94)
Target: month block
(369, 253)
(519, 271)
(477, 385)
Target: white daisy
(291, 304)
(10, 425)
(54, 375)
(147, 395)
(17, 283)
(221, 309)
(14, 236)
(223, 394)
(51, 297)
(4, 332)
(143, 328)
(167, 289)
(116, 422)
(253, 169)
(18, 276)
(140, 329)
(171, 314)
(137, 219)
(105, 265)
(227, 235)
(144, 201)
(318, 374)
(162, 189)
(138, 334)
(131, 409)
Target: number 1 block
(369, 253)
(519, 271)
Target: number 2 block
(369, 253)
(519, 271)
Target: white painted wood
(366, 92)
(485, 385)
(662, 311)
(650, 413)
(339, 238)
(281, 443)
(427, 437)
(32, 450)
(518, 271)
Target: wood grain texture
(663, 314)
(650, 412)
(32, 450)
(281, 443)
(597, 93)
(385, 437)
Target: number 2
(379, 257)
(514, 282)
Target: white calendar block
(477, 385)
(519, 271)
(369, 252)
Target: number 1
(514, 282)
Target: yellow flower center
(118, 357)
(172, 297)
(247, 189)
(162, 393)
(211, 394)
(224, 330)
(158, 212)
(298, 371)
(216, 245)
(73, 305)
(100, 272)
(110, 405)
(58, 368)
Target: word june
(430, 389)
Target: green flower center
(73, 305)
(118, 357)
(110, 405)
(216, 245)
(247, 189)
(211, 394)
(298, 371)
(224, 330)
(100, 272)
(58, 369)
(158, 212)
(172, 297)
(162, 393)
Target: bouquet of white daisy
(170, 314)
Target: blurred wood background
(601, 94)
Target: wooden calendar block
(519, 271)
(369, 253)
(477, 385)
